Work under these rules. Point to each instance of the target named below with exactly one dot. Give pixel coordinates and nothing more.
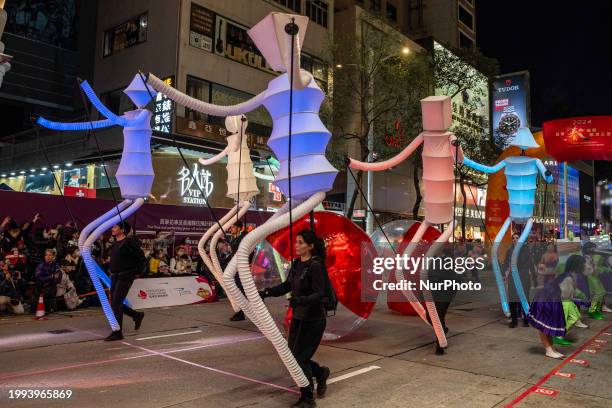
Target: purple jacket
(48, 273)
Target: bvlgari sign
(194, 183)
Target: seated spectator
(17, 260)
(156, 259)
(180, 251)
(182, 266)
(12, 289)
(163, 269)
(48, 275)
(162, 242)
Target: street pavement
(192, 356)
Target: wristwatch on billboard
(509, 123)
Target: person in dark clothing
(443, 298)
(126, 262)
(306, 282)
(234, 242)
(526, 268)
(48, 275)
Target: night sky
(565, 45)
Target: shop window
(222, 95)
(295, 5)
(198, 89)
(76, 177)
(391, 12)
(466, 17)
(126, 35)
(376, 5)
(317, 11)
(465, 41)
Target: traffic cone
(40, 309)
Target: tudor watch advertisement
(510, 106)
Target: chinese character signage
(582, 138)
(162, 118)
(201, 27)
(194, 183)
(510, 106)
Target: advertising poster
(510, 106)
(201, 27)
(161, 292)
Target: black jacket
(127, 259)
(307, 286)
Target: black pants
(119, 290)
(514, 303)
(304, 339)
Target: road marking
(578, 361)
(569, 359)
(546, 391)
(565, 375)
(352, 374)
(169, 335)
(216, 370)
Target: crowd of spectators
(36, 259)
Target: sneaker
(116, 335)
(304, 403)
(553, 354)
(606, 309)
(512, 324)
(596, 315)
(322, 382)
(525, 323)
(581, 325)
(561, 341)
(138, 320)
(237, 317)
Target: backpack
(330, 300)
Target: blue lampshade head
(524, 139)
(138, 93)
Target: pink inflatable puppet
(134, 175)
(438, 185)
(521, 176)
(298, 140)
(241, 186)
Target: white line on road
(169, 335)
(353, 374)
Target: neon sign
(190, 193)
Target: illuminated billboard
(510, 106)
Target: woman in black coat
(306, 282)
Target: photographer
(12, 288)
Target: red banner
(80, 192)
(582, 138)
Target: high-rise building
(4, 59)
(449, 22)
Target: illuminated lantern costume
(521, 176)
(438, 189)
(295, 118)
(241, 186)
(134, 175)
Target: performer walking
(126, 261)
(306, 282)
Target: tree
(378, 83)
(464, 74)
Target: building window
(222, 95)
(466, 17)
(126, 35)
(391, 12)
(317, 68)
(294, 5)
(117, 101)
(376, 5)
(464, 40)
(316, 10)
(198, 89)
